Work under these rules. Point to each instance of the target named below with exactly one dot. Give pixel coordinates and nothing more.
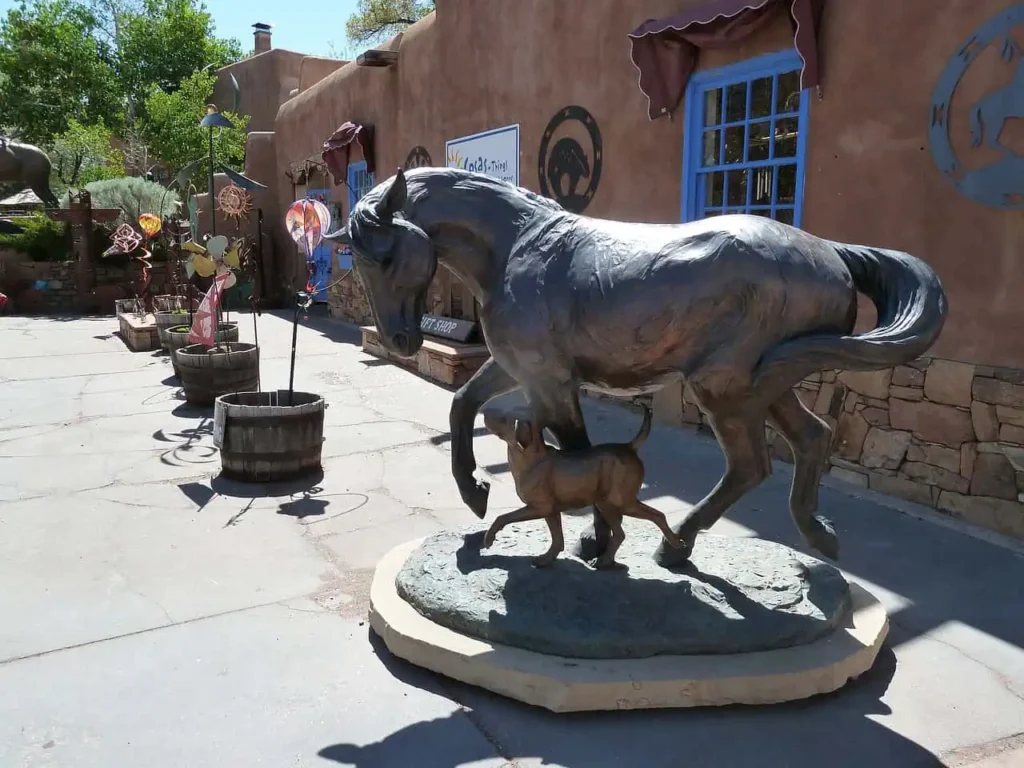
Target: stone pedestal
(747, 621)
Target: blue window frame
(745, 139)
(360, 181)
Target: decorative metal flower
(125, 240)
(214, 259)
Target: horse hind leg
(739, 427)
(810, 438)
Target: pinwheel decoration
(215, 258)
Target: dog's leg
(644, 512)
(554, 521)
(518, 516)
(613, 517)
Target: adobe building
(906, 134)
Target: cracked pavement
(153, 614)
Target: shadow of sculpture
(838, 730)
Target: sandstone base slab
(564, 684)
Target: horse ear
(393, 200)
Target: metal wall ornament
(999, 183)
(418, 157)
(233, 201)
(564, 164)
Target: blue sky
(303, 27)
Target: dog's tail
(645, 430)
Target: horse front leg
(561, 414)
(488, 382)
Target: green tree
(55, 70)
(378, 19)
(164, 44)
(171, 128)
(82, 154)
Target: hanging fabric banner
(205, 320)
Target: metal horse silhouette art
(740, 307)
(995, 108)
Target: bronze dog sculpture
(740, 307)
(551, 481)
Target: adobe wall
(265, 80)
(870, 178)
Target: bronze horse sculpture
(30, 165)
(740, 307)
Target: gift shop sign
(495, 153)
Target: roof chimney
(262, 35)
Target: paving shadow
(835, 730)
(307, 486)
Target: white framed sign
(495, 153)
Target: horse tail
(977, 129)
(645, 430)
(911, 306)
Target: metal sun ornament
(234, 201)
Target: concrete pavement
(152, 614)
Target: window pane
(712, 144)
(759, 141)
(737, 188)
(734, 144)
(761, 97)
(709, 214)
(761, 194)
(785, 215)
(787, 184)
(714, 182)
(712, 107)
(785, 137)
(787, 99)
(736, 103)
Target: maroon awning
(338, 148)
(665, 50)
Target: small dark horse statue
(741, 307)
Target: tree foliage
(54, 70)
(83, 153)
(167, 42)
(96, 61)
(172, 132)
(378, 19)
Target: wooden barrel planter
(177, 337)
(265, 436)
(165, 321)
(168, 302)
(206, 373)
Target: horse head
(395, 262)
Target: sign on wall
(495, 153)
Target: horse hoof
(476, 498)
(822, 536)
(672, 557)
(544, 561)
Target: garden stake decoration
(125, 242)
(306, 222)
